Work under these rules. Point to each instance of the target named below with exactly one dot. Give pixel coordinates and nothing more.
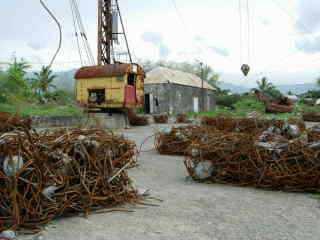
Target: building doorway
(147, 109)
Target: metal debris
(240, 159)
(65, 172)
(8, 122)
(182, 118)
(136, 120)
(311, 117)
(162, 119)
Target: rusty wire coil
(61, 173)
(247, 124)
(236, 158)
(8, 122)
(161, 119)
(136, 120)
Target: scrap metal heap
(311, 117)
(275, 105)
(161, 119)
(274, 156)
(9, 122)
(136, 120)
(61, 173)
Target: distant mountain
(65, 80)
(297, 88)
(294, 88)
(233, 88)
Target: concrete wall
(174, 98)
(94, 120)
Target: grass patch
(248, 104)
(42, 110)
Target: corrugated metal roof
(166, 75)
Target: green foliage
(267, 87)
(312, 94)
(58, 96)
(227, 100)
(42, 110)
(318, 81)
(43, 80)
(16, 82)
(249, 104)
(23, 95)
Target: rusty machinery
(113, 84)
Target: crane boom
(105, 41)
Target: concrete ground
(194, 211)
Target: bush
(312, 94)
(227, 100)
(59, 97)
(249, 104)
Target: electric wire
(60, 33)
(83, 35)
(76, 32)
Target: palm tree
(264, 85)
(16, 75)
(206, 73)
(43, 80)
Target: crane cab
(111, 86)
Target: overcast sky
(284, 35)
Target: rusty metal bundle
(311, 117)
(136, 120)
(162, 119)
(9, 122)
(314, 134)
(242, 159)
(177, 140)
(247, 124)
(182, 118)
(52, 174)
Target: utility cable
(60, 32)
(83, 33)
(76, 32)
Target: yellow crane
(112, 84)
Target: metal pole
(202, 87)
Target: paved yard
(195, 211)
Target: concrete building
(172, 91)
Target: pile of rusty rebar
(231, 124)
(161, 119)
(53, 174)
(311, 117)
(136, 120)
(177, 140)
(9, 122)
(182, 118)
(314, 134)
(241, 159)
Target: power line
(76, 31)
(60, 31)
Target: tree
(264, 85)
(43, 80)
(16, 77)
(267, 87)
(318, 81)
(207, 74)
